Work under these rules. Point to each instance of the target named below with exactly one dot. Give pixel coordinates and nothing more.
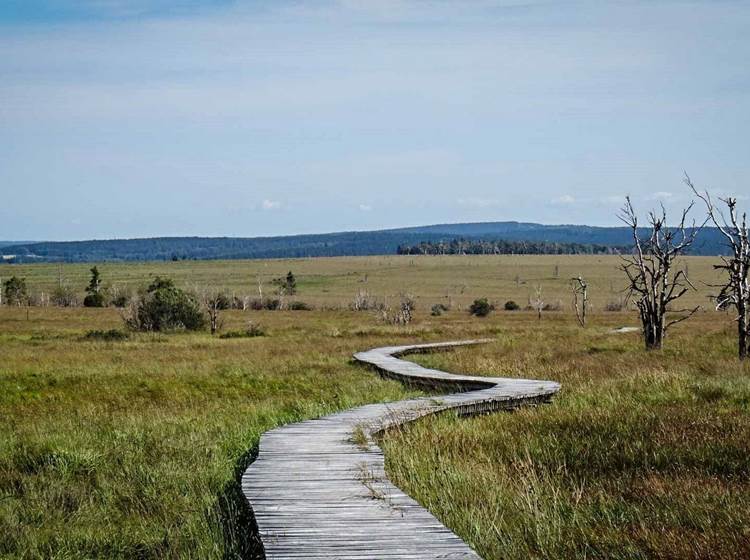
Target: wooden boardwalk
(318, 488)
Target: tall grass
(133, 448)
(640, 456)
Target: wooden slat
(317, 495)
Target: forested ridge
(485, 237)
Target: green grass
(452, 280)
(640, 456)
(133, 448)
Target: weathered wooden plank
(318, 495)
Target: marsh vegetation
(131, 446)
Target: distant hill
(11, 243)
(384, 242)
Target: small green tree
(14, 291)
(94, 297)
(291, 284)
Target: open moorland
(133, 448)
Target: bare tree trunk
(213, 302)
(580, 289)
(735, 291)
(653, 283)
(742, 335)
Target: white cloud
(270, 204)
(365, 207)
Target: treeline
(202, 248)
(517, 238)
(505, 247)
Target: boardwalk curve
(319, 490)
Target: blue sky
(188, 117)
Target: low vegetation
(134, 449)
(481, 307)
(109, 335)
(165, 307)
(114, 447)
(639, 456)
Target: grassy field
(640, 456)
(333, 282)
(133, 449)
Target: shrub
(555, 306)
(223, 302)
(239, 302)
(14, 291)
(481, 307)
(300, 306)
(365, 301)
(286, 285)
(252, 330)
(120, 300)
(165, 307)
(511, 305)
(108, 336)
(402, 316)
(64, 296)
(438, 309)
(95, 299)
(257, 304)
(614, 306)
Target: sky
(243, 118)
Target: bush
(286, 285)
(239, 302)
(401, 316)
(614, 306)
(555, 306)
(438, 309)
(64, 296)
(165, 307)
(511, 305)
(223, 302)
(252, 330)
(365, 301)
(481, 307)
(300, 306)
(15, 291)
(108, 336)
(120, 300)
(266, 304)
(95, 299)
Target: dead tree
(735, 291)
(653, 283)
(537, 303)
(260, 290)
(214, 303)
(580, 298)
